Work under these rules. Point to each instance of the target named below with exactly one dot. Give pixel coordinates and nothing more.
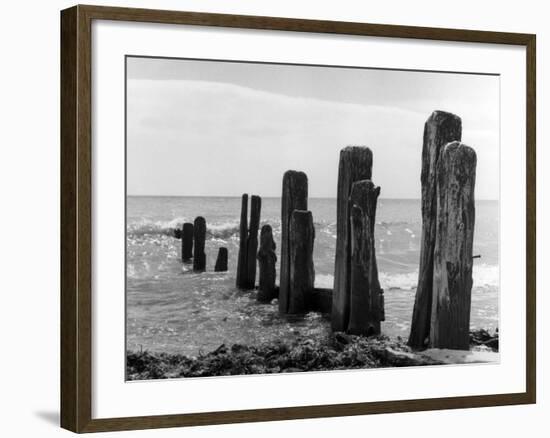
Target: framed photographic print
(271, 218)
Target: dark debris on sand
(338, 351)
(482, 337)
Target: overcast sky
(209, 128)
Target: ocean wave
(168, 228)
(148, 227)
(222, 230)
(484, 276)
(401, 280)
(324, 281)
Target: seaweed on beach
(482, 337)
(338, 351)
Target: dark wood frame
(76, 238)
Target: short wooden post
(294, 197)
(243, 235)
(452, 282)
(252, 241)
(355, 165)
(221, 260)
(267, 260)
(186, 242)
(366, 299)
(440, 129)
(199, 237)
(302, 273)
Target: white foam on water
(222, 230)
(407, 280)
(324, 281)
(484, 276)
(146, 226)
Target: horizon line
(250, 194)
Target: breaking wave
(148, 227)
(484, 276)
(223, 230)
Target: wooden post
(267, 260)
(186, 242)
(302, 273)
(452, 282)
(252, 242)
(221, 260)
(243, 234)
(199, 237)
(321, 300)
(366, 302)
(440, 129)
(355, 165)
(294, 197)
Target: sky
(215, 128)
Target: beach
(172, 310)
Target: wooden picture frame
(76, 217)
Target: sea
(171, 309)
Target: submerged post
(355, 165)
(199, 237)
(302, 273)
(252, 241)
(243, 234)
(186, 242)
(366, 295)
(452, 280)
(294, 197)
(221, 260)
(267, 260)
(440, 129)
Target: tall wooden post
(452, 282)
(366, 295)
(294, 197)
(252, 241)
(221, 260)
(440, 129)
(243, 235)
(267, 260)
(302, 273)
(186, 242)
(199, 237)
(355, 165)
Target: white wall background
(29, 214)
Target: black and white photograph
(275, 219)
(287, 218)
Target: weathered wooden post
(248, 242)
(267, 260)
(440, 129)
(199, 237)
(243, 235)
(294, 197)
(452, 280)
(252, 241)
(366, 295)
(186, 242)
(302, 273)
(221, 260)
(355, 165)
